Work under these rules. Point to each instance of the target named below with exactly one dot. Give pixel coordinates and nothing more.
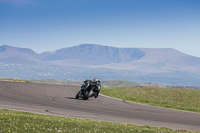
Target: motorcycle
(89, 89)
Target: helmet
(96, 79)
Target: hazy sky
(47, 25)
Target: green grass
(16, 80)
(20, 122)
(182, 99)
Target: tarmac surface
(59, 100)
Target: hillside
(89, 54)
(9, 54)
(98, 56)
(86, 61)
(120, 83)
(159, 60)
(58, 82)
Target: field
(182, 99)
(15, 80)
(20, 122)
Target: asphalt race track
(59, 100)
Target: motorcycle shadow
(72, 98)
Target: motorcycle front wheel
(86, 95)
(77, 95)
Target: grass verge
(182, 99)
(20, 122)
(16, 80)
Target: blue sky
(47, 25)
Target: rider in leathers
(94, 82)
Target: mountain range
(159, 65)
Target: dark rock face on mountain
(161, 65)
(94, 54)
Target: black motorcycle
(88, 89)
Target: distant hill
(158, 65)
(159, 60)
(9, 54)
(98, 56)
(120, 83)
(88, 54)
(111, 83)
(58, 82)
